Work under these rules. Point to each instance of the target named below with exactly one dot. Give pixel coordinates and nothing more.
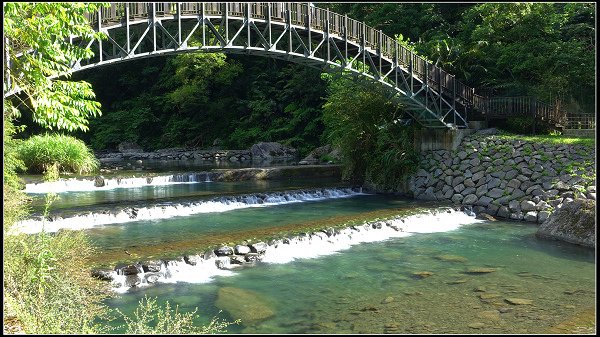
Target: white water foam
(306, 247)
(82, 185)
(222, 204)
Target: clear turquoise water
(151, 232)
(121, 196)
(370, 288)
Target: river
(445, 272)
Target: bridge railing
(581, 121)
(521, 106)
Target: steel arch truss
(296, 32)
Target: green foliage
(150, 318)
(12, 162)
(361, 121)
(193, 99)
(68, 153)
(540, 49)
(550, 139)
(45, 28)
(47, 285)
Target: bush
(68, 153)
(362, 122)
(47, 284)
(150, 318)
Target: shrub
(150, 318)
(363, 123)
(68, 153)
(47, 285)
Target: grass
(550, 139)
(68, 153)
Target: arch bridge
(296, 32)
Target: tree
(36, 39)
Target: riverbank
(511, 177)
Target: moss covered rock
(574, 222)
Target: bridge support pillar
(439, 139)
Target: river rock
(451, 258)
(245, 305)
(152, 266)
(269, 150)
(99, 181)
(422, 274)
(132, 281)
(241, 250)
(224, 251)
(480, 270)
(519, 301)
(258, 247)
(103, 274)
(527, 206)
(485, 216)
(574, 222)
(128, 269)
(252, 257)
(476, 325)
(531, 216)
(319, 154)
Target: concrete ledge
(439, 139)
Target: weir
(204, 267)
(167, 210)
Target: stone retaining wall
(507, 178)
(182, 154)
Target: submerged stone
(451, 258)
(422, 274)
(480, 270)
(519, 301)
(242, 304)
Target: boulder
(320, 154)
(99, 181)
(574, 222)
(531, 216)
(470, 199)
(152, 266)
(241, 250)
(224, 251)
(270, 150)
(103, 274)
(259, 247)
(245, 305)
(527, 206)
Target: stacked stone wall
(507, 177)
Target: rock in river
(480, 270)
(245, 305)
(519, 301)
(451, 258)
(422, 274)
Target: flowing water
(443, 272)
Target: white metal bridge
(296, 32)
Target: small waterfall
(164, 211)
(197, 269)
(207, 179)
(80, 185)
